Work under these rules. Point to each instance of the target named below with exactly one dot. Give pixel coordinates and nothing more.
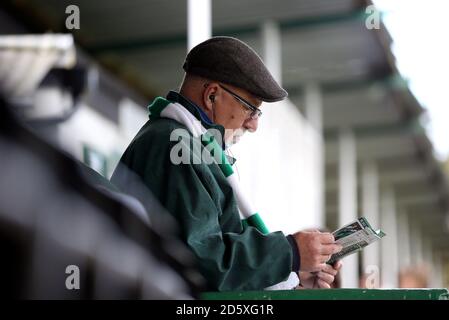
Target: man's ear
(210, 96)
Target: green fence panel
(332, 294)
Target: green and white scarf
(162, 108)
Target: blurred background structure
(348, 142)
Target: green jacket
(230, 256)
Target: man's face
(233, 114)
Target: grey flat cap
(231, 61)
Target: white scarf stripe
(245, 207)
(177, 112)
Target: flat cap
(231, 61)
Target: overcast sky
(420, 30)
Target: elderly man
(180, 155)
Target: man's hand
(322, 279)
(315, 248)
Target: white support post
(272, 49)
(437, 274)
(404, 240)
(348, 200)
(389, 244)
(416, 243)
(199, 22)
(314, 105)
(427, 251)
(370, 209)
(314, 113)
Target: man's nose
(251, 124)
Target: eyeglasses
(255, 112)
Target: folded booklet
(354, 237)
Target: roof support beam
(410, 127)
(180, 39)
